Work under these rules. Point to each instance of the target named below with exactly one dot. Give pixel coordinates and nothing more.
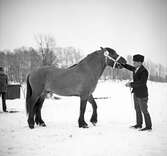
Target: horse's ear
(101, 48)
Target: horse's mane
(91, 56)
(85, 59)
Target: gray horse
(78, 80)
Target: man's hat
(138, 58)
(1, 69)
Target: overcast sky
(128, 26)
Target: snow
(110, 137)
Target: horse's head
(112, 58)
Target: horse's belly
(65, 92)
(65, 89)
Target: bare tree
(46, 45)
(67, 56)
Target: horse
(78, 80)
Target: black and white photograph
(83, 77)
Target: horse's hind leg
(37, 109)
(81, 120)
(94, 106)
(31, 114)
(34, 106)
(31, 119)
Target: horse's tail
(28, 96)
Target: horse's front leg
(93, 119)
(81, 121)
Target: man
(3, 87)
(139, 88)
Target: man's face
(136, 64)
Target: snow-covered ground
(111, 137)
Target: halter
(106, 54)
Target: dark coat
(3, 82)
(139, 83)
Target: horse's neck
(96, 64)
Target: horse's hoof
(43, 125)
(31, 126)
(94, 123)
(83, 126)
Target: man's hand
(128, 84)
